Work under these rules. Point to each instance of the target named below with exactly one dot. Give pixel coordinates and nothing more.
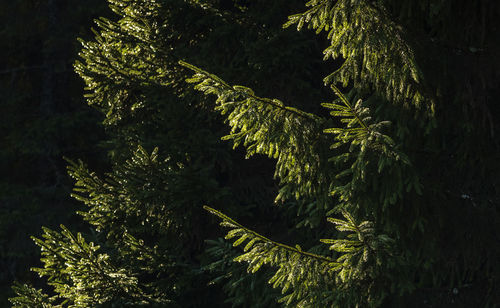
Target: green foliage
(373, 177)
(297, 269)
(412, 175)
(80, 274)
(149, 198)
(239, 287)
(133, 78)
(375, 50)
(144, 194)
(134, 201)
(30, 297)
(311, 279)
(267, 126)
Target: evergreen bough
(405, 157)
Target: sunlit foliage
(396, 155)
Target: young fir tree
(404, 168)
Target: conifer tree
(387, 186)
(126, 85)
(394, 130)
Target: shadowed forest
(250, 153)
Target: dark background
(43, 118)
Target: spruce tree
(411, 228)
(387, 186)
(147, 105)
